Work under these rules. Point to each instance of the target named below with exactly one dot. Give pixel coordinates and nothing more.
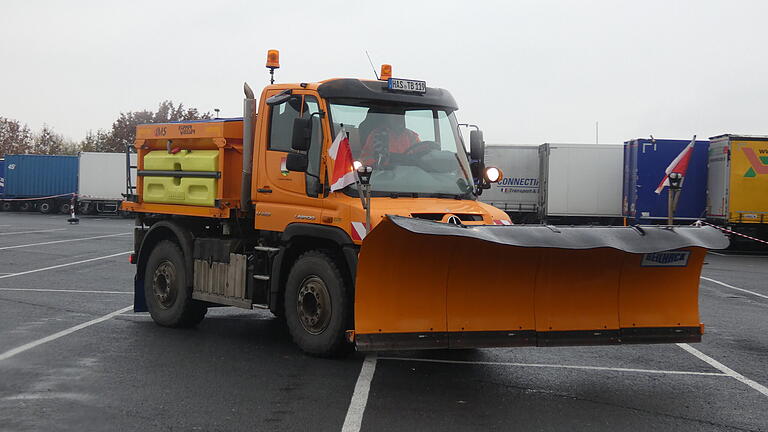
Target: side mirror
(296, 162)
(279, 98)
(302, 133)
(476, 145)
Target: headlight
(493, 174)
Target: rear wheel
(25, 206)
(85, 208)
(318, 305)
(168, 295)
(46, 207)
(64, 208)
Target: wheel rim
(163, 284)
(314, 305)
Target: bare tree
(15, 138)
(48, 142)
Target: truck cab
(429, 176)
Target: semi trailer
(43, 182)
(517, 192)
(737, 185)
(102, 181)
(580, 183)
(645, 161)
(349, 209)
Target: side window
(281, 123)
(316, 143)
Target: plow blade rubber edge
(422, 284)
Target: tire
(46, 207)
(26, 206)
(318, 305)
(85, 208)
(8, 206)
(64, 208)
(168, 295)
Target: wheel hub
(314, 305)
(163, 284)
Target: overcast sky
(527, 72)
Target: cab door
(282, 196)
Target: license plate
(405, 85)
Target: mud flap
(423, 284)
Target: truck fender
(295, 231)
(157, 232)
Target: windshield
(414, 151)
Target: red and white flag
(679, 165)
(343, 168)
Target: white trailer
(580, 183)
(518, 191)
(102, 181)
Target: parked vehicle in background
(2, 176)
(518, 191)
(41, 182)
(102, 181)
(645, 160)
(737, 195)
(580, 184)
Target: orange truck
(349, 209)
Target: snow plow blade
(423, 284)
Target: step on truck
(349, 209)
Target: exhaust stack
(249, 126)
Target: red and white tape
(701, 222)
(40, 198)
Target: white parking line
(12, 352)
(354, 418)
(735, 288)
(65, 290)
(63, 265)
(30, 232)
(557, 366)
(62, 241)
(725, 369)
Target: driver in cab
(389, 138)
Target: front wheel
(169, 297)
(318, 305)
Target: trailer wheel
(6, 206)
(64, 208)
(168, 295)
(25, 206)
(46, 207)
(85, 208)
(318, 305)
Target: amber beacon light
(386, 72)
(273, 62)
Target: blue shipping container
(32, 176)
(644, 165)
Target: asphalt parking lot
(74, 357)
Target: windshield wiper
(446, 195)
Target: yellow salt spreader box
(191, 187)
